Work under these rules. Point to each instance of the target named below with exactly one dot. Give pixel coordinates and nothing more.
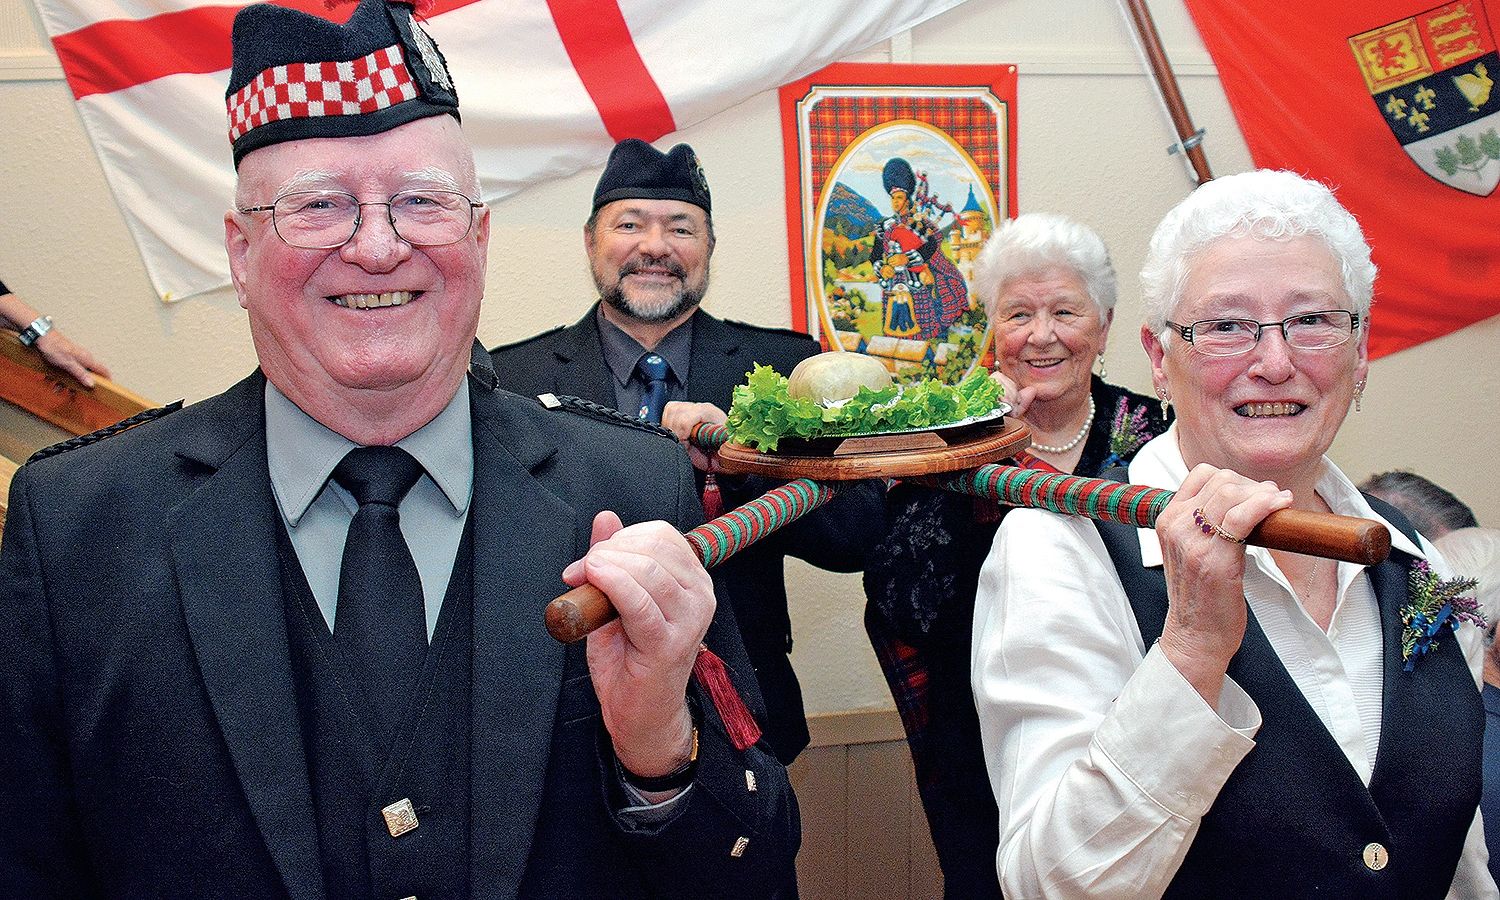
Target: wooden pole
(585, 608)
(1189, 139)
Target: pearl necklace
(1064, 448)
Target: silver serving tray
(993, 415)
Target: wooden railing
(57, 397)
(44, 405)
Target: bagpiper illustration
(923, 291)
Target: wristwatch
(678, 778)
(675, 780)
(33, 332)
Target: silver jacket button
(1376, 856)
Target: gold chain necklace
(1307, 584)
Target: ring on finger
(1214, 529)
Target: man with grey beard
(647, 350)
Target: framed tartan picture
(895, 176)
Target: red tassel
(986, 511)
(713, 675)
(713, 501)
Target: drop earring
(1166, 401)
(1359, 393)
(1099, 367)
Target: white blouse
(1102, 757)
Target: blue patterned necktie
(653, 371)
(380, 625)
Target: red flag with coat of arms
(1392, 104)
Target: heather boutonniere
(1128, 432)
(1436, 604)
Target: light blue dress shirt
(302, 453)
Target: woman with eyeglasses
(1173, 713)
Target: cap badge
(700, 180)
(431, 58)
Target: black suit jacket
(571, 361)
(149, 743)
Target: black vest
(1294, 818)
(353, 779)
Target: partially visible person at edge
(650, 239)
(1172, 713)
(37, 330)
(288, 642)
(1474, 552)
(1434, 510)
(1049, 290)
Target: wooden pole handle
(583, 609)
(1331, 536)
(573, 615)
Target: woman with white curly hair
(1173, 713)
(1049, 289)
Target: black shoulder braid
(602, 413)
(84, 440)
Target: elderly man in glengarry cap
(288, 642)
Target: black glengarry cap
(638, 171)
(299, 76)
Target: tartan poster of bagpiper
(897, 175)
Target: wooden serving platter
(884, 456)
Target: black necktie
(653, 371)
(380, 626)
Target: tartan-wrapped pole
(1318, 534)
(1327, 535)
(585, 608)
(576, 613)
(721, 538)
(709, 438)
(1097, 498)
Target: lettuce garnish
(762, 413)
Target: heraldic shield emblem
(1432, 76)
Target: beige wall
(1092, 146)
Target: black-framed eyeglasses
(323, 220)
(1305, 331)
